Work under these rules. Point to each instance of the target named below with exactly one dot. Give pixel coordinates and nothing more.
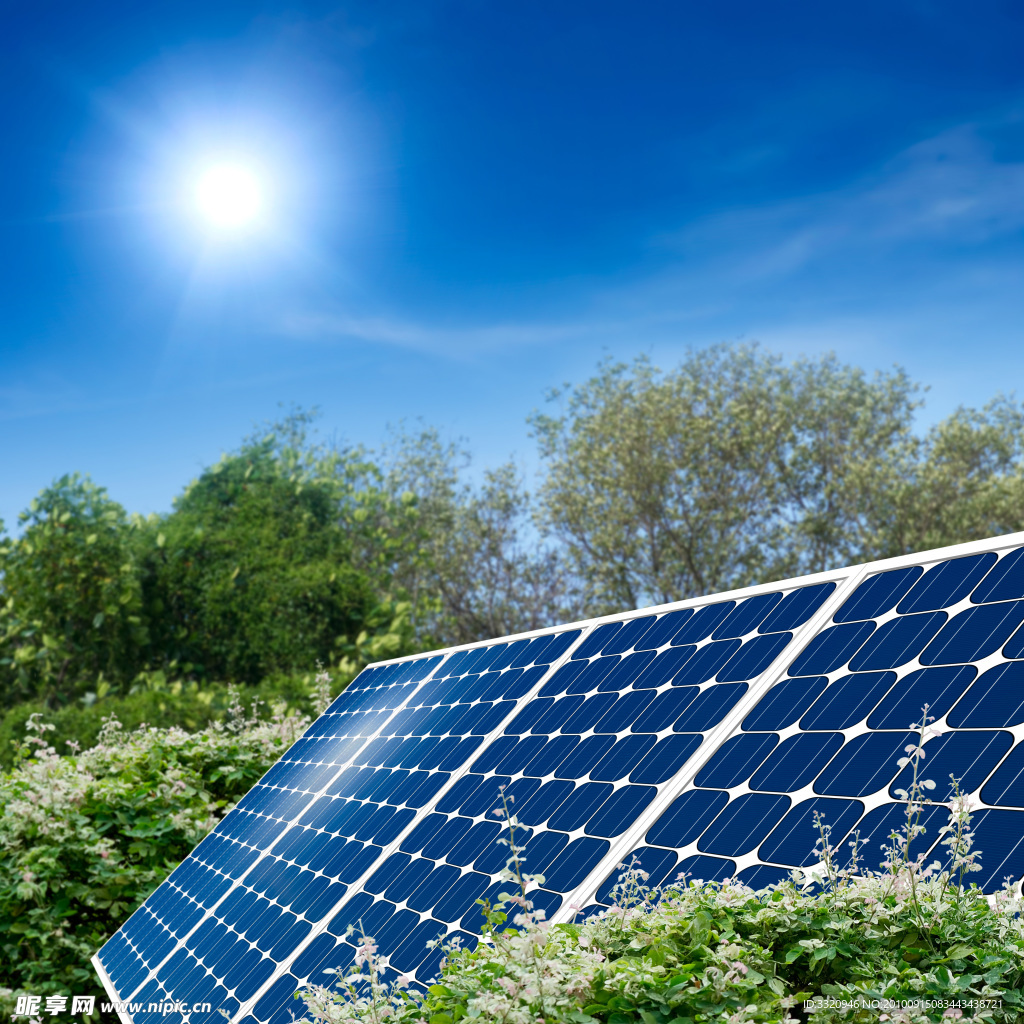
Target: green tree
(737, 467)
(478, 568)
(252, 574)
(71, 596)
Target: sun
(229, 196)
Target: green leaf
(959, 952)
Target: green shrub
(722, 952)
(85, 838)
(163, 705)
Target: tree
(737, 468)
(252, 574)
(479, 569)
(71, 598)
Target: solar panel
(699, 738)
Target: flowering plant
(85, 838)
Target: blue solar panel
(699, 740)
(824, 736)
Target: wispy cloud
(920, 240)
(951, 189)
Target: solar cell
(702, 740)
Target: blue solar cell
(746, 616)
(736, 760)
(866, 764)
(412, 950)
(898, 641)
(994, 701)
(703, 868)
(552, 714)
(879, 594)
(974, 634)
(278, 995)
(623, 757)
(584, 757)
(796, 608)
(665, 709)
(793, 840)
(433, 888)
(620, 810)
(939, 688)
(551, 755)
(541, 805)
(574, 863)
(565, 675)
(1006, 786)
(743, 824)
(666, 758)
(702, 623)
(873, 834)
(686, 817)
(848, 700)
(580, 805)
(784, 703)
(627, 671)
(664, 629)
(969, 757)
(656, 864)
(629, 636)
(709, 707)
(447, 837)
(706, 662)
(1015, 645)
(947, 583)
(519, 756)
(558, 645)
(999, 836)
(831, 648)
(590, 713)
(593, 675)
(663, 668)
(796, 761)
(762, 876)
(625, 711)
(594, 643)
(479, 838)
(1004, 582)
(542, 850)
(754, 657)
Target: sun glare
(229, 196)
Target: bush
(162, 705)
(723, 952)
(85, 838)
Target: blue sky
(468, 203)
